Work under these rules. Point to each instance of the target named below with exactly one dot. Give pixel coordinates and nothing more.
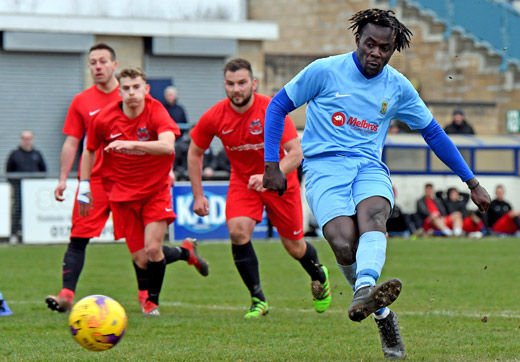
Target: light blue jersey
(350, 114)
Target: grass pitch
(459, 303)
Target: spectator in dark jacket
(434, 215)
(175, 110)
(24, 159)
(459, 125)
(500, 217)
(472, 222)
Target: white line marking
(450, 313)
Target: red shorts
(92, 225)
(131, 217)
(427, 224)
(469, 226)
(505, 225)
(285, 212)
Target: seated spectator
(459, 125)
(222, 162)
(473, 225)
(400, 223)
(214, 167)
(500, 217)
(456, 201)
(434, 216)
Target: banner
(212, 226)
(5, 209)
(45, 220)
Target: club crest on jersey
(384, 106)
(256, 127)
(338, 119)
(143, 134)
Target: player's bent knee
(295, 248)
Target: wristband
(474, 186)
(83, 190)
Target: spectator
(181, 160)
(500, 217)
(434, 215)
(400, 223)
(24, 159)
(175, 110)
(459, 125)
(456, 201)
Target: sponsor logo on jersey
(247, 147)
(384, 106)
(256, 127)
(362, 125)
(93, 112)
(338, 119)
(227, 131)
(143, 134)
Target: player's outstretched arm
(195, 162)
(448, 153)
(68, 153)
(85, 201)
(165, 145)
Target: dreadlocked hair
(385, 18)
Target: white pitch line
(450, 313)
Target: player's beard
(247, 98)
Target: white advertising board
(5, 209)
(45, 220)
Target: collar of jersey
(361, 70)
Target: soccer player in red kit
(239, 122)
(85, 105)
(138, 138)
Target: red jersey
(132, 175)
(82, 110)
(242, 135)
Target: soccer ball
(97, 322)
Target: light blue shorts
(335, 185)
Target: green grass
(449, 286)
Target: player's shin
(370, 258)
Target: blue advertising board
(212, 226)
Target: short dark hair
(428, 185)
(384, 18)
(236, 64)
(131, 73)
(104, 46)
(458, 111)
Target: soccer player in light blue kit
(351, 99)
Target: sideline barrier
(47, 221)
(211, 227)
(5, 209)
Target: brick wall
(448, 73)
